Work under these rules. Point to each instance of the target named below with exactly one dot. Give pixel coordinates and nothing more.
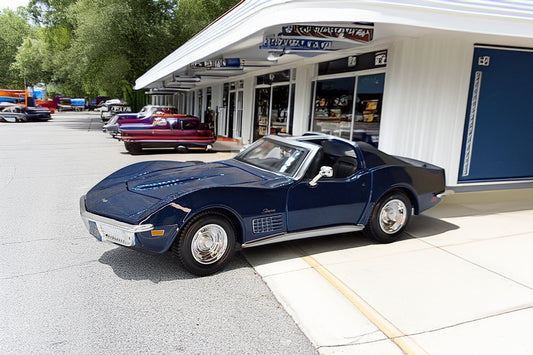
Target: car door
(337, 200)
(163, 128)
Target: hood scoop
(170, 183)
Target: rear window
(189, 124)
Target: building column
(302, 98)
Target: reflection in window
(368, 108)
(274, 156)
(262, 105)
(333, 106)
(274, 104)
(280, 107)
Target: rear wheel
(181, 149)
(206, 244)
(133, 148)
(389, 218)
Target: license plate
(117, 235)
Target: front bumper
(111, 230)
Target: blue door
(498, 133)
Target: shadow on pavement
(129, 264)
(422, 226)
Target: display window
(347, 97)
(333, 106)
(274, 104)
(335, 111)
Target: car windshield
(274, 156)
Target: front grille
(267, 224)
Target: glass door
(280, 110)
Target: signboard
(352, 33)
(218, 63)
(358, 62)
(296, 44)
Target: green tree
(99, 47)
(192, 16)
(14, 28)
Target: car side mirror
(326, 171)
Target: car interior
(340, 156)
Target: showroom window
(274, 104)
(348, 104)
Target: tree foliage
(89, 48)
(14, 29)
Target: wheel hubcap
(392, 217)
(209, 244)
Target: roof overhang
(241, 31)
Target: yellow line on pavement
(406, 344)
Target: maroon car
(167, 131)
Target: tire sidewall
(374, 228)
(183, 249)
(133, 148)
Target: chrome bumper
(111, 230)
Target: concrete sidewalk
(460, 282)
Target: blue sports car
(275, 190)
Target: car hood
(134, 192)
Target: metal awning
(240, 32)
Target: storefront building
(444, 82)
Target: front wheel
(389, 218)
(206, 244)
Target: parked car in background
(112, 107)
(49, 104)
(21, 113)
(63, 103)
(277, 189)
(167, 131)
(143, 116)
(78, 104)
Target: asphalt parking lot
(63, 292)
(459, 282)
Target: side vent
(267, 224)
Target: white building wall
(302, 98)
(425, 98)
(248, 110)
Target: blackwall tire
(133, 148)
(206, 244)
(389, 218)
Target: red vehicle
(49, 104)
(167, 131)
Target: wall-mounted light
(273, 56)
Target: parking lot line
(406, 344)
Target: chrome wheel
(209, 244)
(393, 216)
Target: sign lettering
(295, 44)
(357, 33)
